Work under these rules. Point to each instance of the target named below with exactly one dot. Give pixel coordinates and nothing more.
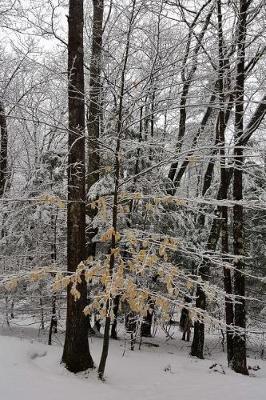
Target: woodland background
(132, 169)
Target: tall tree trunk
(204, 270)
(119, 130)
(3, 162)
(76, 354)
(94, 114)
(239, 362)
(229, 312)
(105, 348)
(220, 224)
(3, 149)
(197, 347)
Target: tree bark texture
(94, 116)
(76, 354)
(239, 361)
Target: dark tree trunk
(3, 149)
(229, 308)
(42, 313)
(12, 314)
(254, 122)
(115, 313)
(229, 312)
(187, 80)
(53, 322)
(220, 224)
(197, 346)
(137, 168)
(94, 116)
(210, 168)
(223, 228)
(146, 325)
(214, 235)
(239, 361)
(204, 122)
(76, 354)
(105, 348)
(208, 114)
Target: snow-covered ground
(31, 370)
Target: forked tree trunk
(76, 354)
(186, 83)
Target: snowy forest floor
(30, 369)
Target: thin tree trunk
(216, 227)
(76, 354)
(53, 322)
(6, 311)
(137, 167)
(42, 313)
(229, 307)
(106, 339)
(185, 89)
(197, 348)
(3, 149)
(254, 122)
(229, 312)
(105, 348)
(205, 120)
(12, 314)
(207, 180)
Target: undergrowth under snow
(31, 370)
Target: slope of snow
(30, 370)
